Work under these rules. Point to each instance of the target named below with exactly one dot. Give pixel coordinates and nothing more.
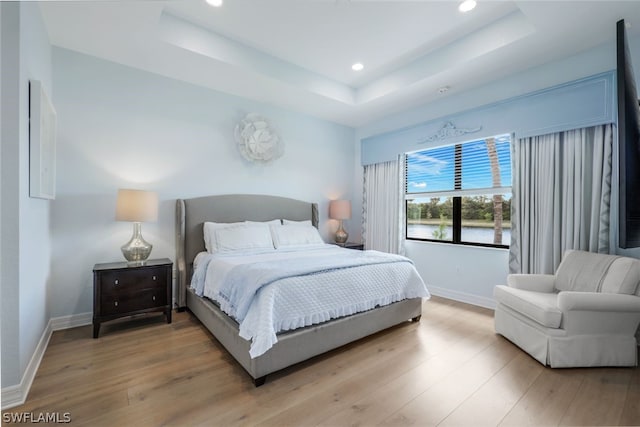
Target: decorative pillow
(295, 235)
(289, 222)
(241, 238)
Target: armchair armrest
(532, 282)
(595, 301)
(593, 313)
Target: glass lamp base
(341, 235)
(136, 250)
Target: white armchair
(587, 314)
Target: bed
(292, 346)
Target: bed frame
(292, 346)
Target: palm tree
(497, 198)
(440, 233)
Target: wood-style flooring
(449, 369)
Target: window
(460, 193)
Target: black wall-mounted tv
(628, 144)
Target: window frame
(456, 194)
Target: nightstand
(356, 246)
(121, 290)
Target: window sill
(463, 245)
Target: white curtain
(561, 194)
(382, 206)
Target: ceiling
(297, 54)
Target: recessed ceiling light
(357, 66)
(215, 3)
(467, 5)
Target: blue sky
(433, 169)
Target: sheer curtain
(561, 195)
(382, 206)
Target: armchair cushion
(623, 276)
(582, 271)
(541, 307)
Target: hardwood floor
(449, 369)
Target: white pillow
(295, 235)
(272, 222)
(289, 222)
(241, 238)
(210, 227)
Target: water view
(469, 234)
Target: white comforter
(296, 302)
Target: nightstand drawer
(118, 282)
(115, 304)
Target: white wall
(25, 221)
(124, 128)
(35, 243)
(461, 273)
(10, 134)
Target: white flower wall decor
(257, 140)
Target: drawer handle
(154, 297)
(116, 282)
(115, 303)
(154, 277)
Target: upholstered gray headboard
(191, 214)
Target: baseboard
(463, 297)
(73, 321)
(16, 395)
(12, 396)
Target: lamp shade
(340, 209)
(137, 206)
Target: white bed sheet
(311, 299)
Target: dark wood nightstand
(121, 290)
(356, 246)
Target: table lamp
(136, 206)
(340, 210)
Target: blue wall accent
(581, 103)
